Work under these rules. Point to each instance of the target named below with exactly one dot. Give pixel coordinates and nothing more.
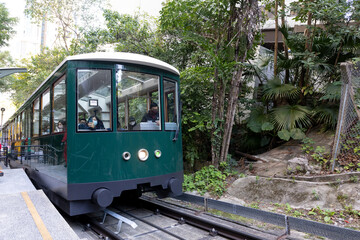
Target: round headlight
(143, 154)
(157, 153)
(126, 156)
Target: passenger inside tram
(95, 123)
(152, 115)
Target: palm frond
(326, 114)
(332, 91)
(274, 89)
(291, 116)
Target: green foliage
(326, 114)
(295, 133)
(307, 145)
(67, 14)
(275, 90)
(289, 117)
(39, 68)
(259, 121)
(5, 61)
(332, 91)
(284, 135)
(6, 25)
(354, 179)
(321, 156)
(351, 211)
(315, 194)
(208, 179)
(219, 36)
(134, 34)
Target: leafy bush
(208, 179)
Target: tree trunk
(247, 18)
(286, 53)
(214, 111)
(231, 109)
(308, 33)
(276, 38)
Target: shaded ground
(276, 160)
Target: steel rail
(213, 227)
(100, 228)
(151, 224)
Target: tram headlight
(126, 155)
(143, 154)
(157, 153)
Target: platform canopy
(8, 71)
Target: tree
(5, 61)
(331, 37)
(221, 34)
(6, 25)
(68, 15)
(39, 68)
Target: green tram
(100, 125)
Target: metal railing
(43, 154)
(4, 156)
(288, 222)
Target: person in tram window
(95, 123)
(152, 115)
(60, 126)
(132, 124)
(82, 124)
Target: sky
(16, 9)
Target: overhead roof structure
(8, 71)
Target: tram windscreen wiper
(176, 133)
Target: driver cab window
(94, 100)
(138, 101)
(171, 105)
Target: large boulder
(301, 194)
(299, 165)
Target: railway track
(160, 220)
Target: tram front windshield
(138, 103)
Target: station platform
(27, 213)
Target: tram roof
(124, 57)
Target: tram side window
(16, 129)
(171, 104)
(36, 118)
(138, 101)
(23, 125)
(13, 130)
(45, 113)
(59, 109)
(94, 100)
(28, 122)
